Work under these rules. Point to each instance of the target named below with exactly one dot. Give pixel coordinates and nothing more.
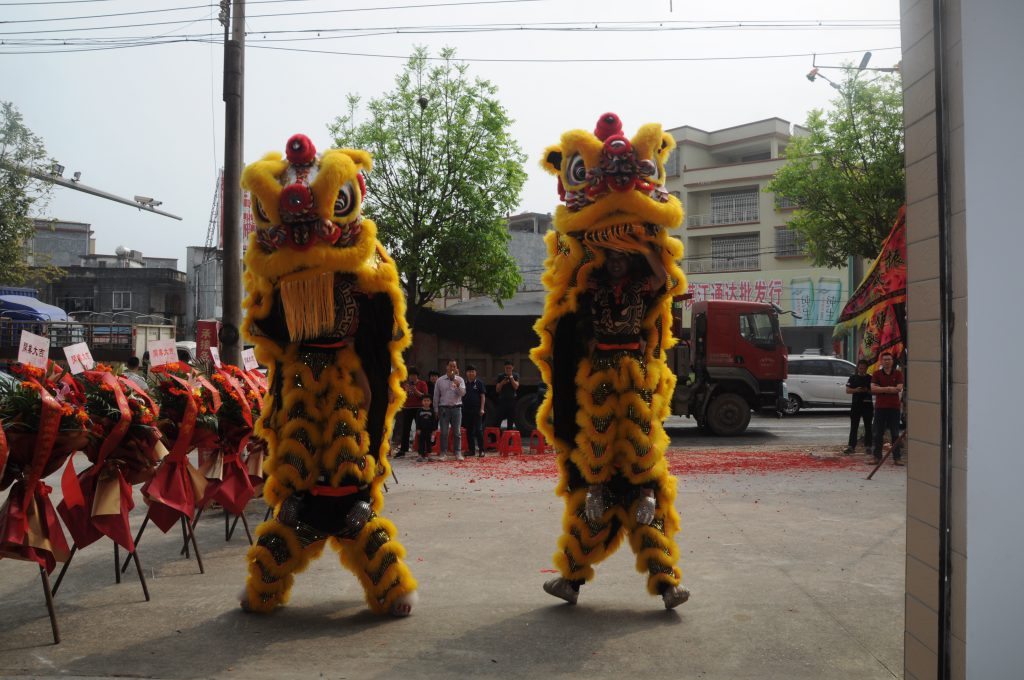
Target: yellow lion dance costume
(612, 270)
(327, 316)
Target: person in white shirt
(448, 393)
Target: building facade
(205, 299)
(61, 243)
(737, 243)
(526, 246)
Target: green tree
(847, 174)
(20, 150)
(446, 173)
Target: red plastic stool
(492, 435)
(451, 439)
(537, 442)
(511, 442)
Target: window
(730, 207)
(672, 164)
(758, 329)
(843, 369)
(797, 367)
(76, 304)
(783, 203)
(735, 253)
(759, 156)
(122, 299)
(817, 367)
(789, 242)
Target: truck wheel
(792, 405)
(728, 414)
(526, 414)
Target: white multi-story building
(737, 243)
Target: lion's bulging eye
(345, 202)
(577, 171)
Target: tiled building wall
(924, 372)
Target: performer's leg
(278, 554)
(375, 557)
(583, 545)
(444, 414)
(654, 544)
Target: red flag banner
(878, 304)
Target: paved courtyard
(796, 565)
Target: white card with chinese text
(162, 352)
(249, 362)
(79, 358)
(215, 355)
(33, 350)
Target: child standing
(426, 426)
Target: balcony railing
(723, 217)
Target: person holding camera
(507, 386)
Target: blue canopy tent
(21, 308)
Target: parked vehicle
(738, 363)
(730, 363)
(817, 381)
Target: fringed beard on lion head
(326, 313)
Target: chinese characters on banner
(761, 290)
(206, 337)
(248, 224)
(33, 350)
(79, 358)
(162, 352)
(814, 303)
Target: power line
(277, 14)
(104, 16)
(567, 61)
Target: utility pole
(234, 100)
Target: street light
(814, 74)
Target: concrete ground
(795, 574)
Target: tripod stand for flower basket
(133, 555)
(187, 535)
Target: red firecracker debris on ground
(681, 463)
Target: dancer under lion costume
(326, 314)
(611, 274)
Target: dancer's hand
(645, 510)
(595, 505)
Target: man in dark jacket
(862, 408)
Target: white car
(817, 381)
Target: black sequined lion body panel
(326, 314)
(603, 342)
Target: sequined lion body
(607, 401)
(326, 314)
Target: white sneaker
(458, 456)
(675, 596)
(560, 587)
(442, 458)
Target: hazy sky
(149, 120)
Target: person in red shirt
(415, 390)
(887, 388)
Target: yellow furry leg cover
(654, 545)
(375, 557)
(273, 560)
(581, 545)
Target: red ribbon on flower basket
(229, 482)
(97, 501)
(177, 486)
(29, 529)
